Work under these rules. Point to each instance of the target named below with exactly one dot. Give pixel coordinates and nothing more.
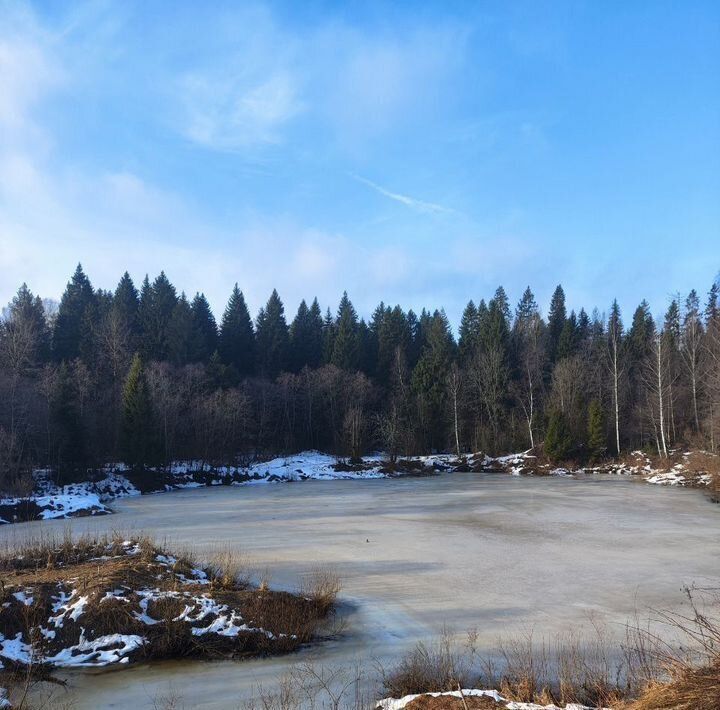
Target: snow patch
(400, 703)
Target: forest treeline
(148, 376)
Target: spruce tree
(157, 303)
(558, 439)
(469, 333)
(712, 309)
(569, 338)
(26, 320)
(502, 304)
(495, 326)
(527, 307)
(556, 322)
(328, 335)
(345, 347)
(640, 338)
(306, 337)
(67, 422)
(428, 377)
(145, 318)
(126, 304)
(583, 329)
(394, 337)
(300, 343)
(415, 338)
(183, 342)
(272, 338)
(137, 437)
(366, 350)
(206, 334)
(315, 335)
(596, 441)
(237, 337)
(72, 326)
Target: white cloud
(29, 72)
(237, 112)
(251, 88)
(55, 212)
(412, 202)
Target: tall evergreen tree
(415, 344)
(469, 333)
(569, 338)
(558, 438)
(67, 422)
(315, 335)
(367, 352)
(527, 307)
(157, 304)
(640, 336)
(502, 304)
(272, 338)
(495, 326)
(345, 348)
(137, 429)
(183, 341)
(126, 304)
(237, 337)
(72, 326)
(306, 337)
(26, 327)
(328, 331)
(596, 441)
(205, 328)
(393, 338)
(712, 309)
(299, 337)
(583, 329)
(428, 377)
(556, 322)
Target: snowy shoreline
(400, 703)
(88, 498)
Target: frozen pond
(490, 551)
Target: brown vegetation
(647, 672)
(61, 595)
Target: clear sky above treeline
(420, 153)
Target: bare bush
(229, 568)
(432, 667)
(321, 586)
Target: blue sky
(420, 153)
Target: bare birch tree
(454, 384)
(616, 371)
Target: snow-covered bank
(110, 601)
(116, 481)
(425, 701)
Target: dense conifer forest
(148, 376)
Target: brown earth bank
(99, 601)
(89, 496)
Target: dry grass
(692, 689)
(229, 569)
(433, 667)
(316, 688)
(587, 668)
(321, 587)
(670, 663)
(692, 669)
(121, 582)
